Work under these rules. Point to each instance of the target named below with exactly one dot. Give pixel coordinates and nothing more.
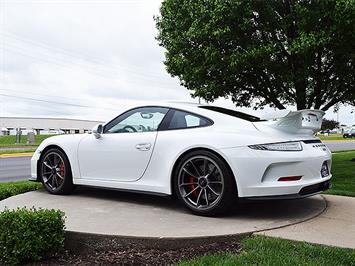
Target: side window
(181, 119)
(192, 121)
(138, 120)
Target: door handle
(143, 146)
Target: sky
(88, 59)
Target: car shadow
(252, 209)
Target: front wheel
(205, 184)
(55, 172)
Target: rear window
(237, 114)
(181, 119)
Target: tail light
(290, 178)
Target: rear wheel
(205, 184)
(55, 172)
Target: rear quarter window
(181, 119)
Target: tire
(55, 172)
(201, 175)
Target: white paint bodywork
(112, 161)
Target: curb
(82, 243)
(14, 155)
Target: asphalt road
(341, 145)
(13, 169)
(15, 148)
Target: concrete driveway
(93, 214)
(334, 227)
(113, 213)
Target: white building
(10, 125)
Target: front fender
(68, 144)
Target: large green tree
(329, 124)
(265, 52)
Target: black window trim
(232, 113)
(167, 119)
(132, 109)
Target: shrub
(30, 234)
(13, 188)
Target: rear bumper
(306, 191)
(257, 172)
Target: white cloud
(99, 54)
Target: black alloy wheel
(55, 172)
(205, 183)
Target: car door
(123, 151)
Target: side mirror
(97, 131)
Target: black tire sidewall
(229, 194)
(67, 185)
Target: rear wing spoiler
(302, 121)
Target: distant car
(349, 134)
(205, 155)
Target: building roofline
(51, 118)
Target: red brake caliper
(192, 186)
(61, 167)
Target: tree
(329, 124)
(261, 53)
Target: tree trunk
(300, 94)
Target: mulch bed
(134, 256)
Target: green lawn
(17, 151)
(343, 170)
(10, 141)
(260, 250)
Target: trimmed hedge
(10, 189)
(30, 234)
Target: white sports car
(205, 155)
